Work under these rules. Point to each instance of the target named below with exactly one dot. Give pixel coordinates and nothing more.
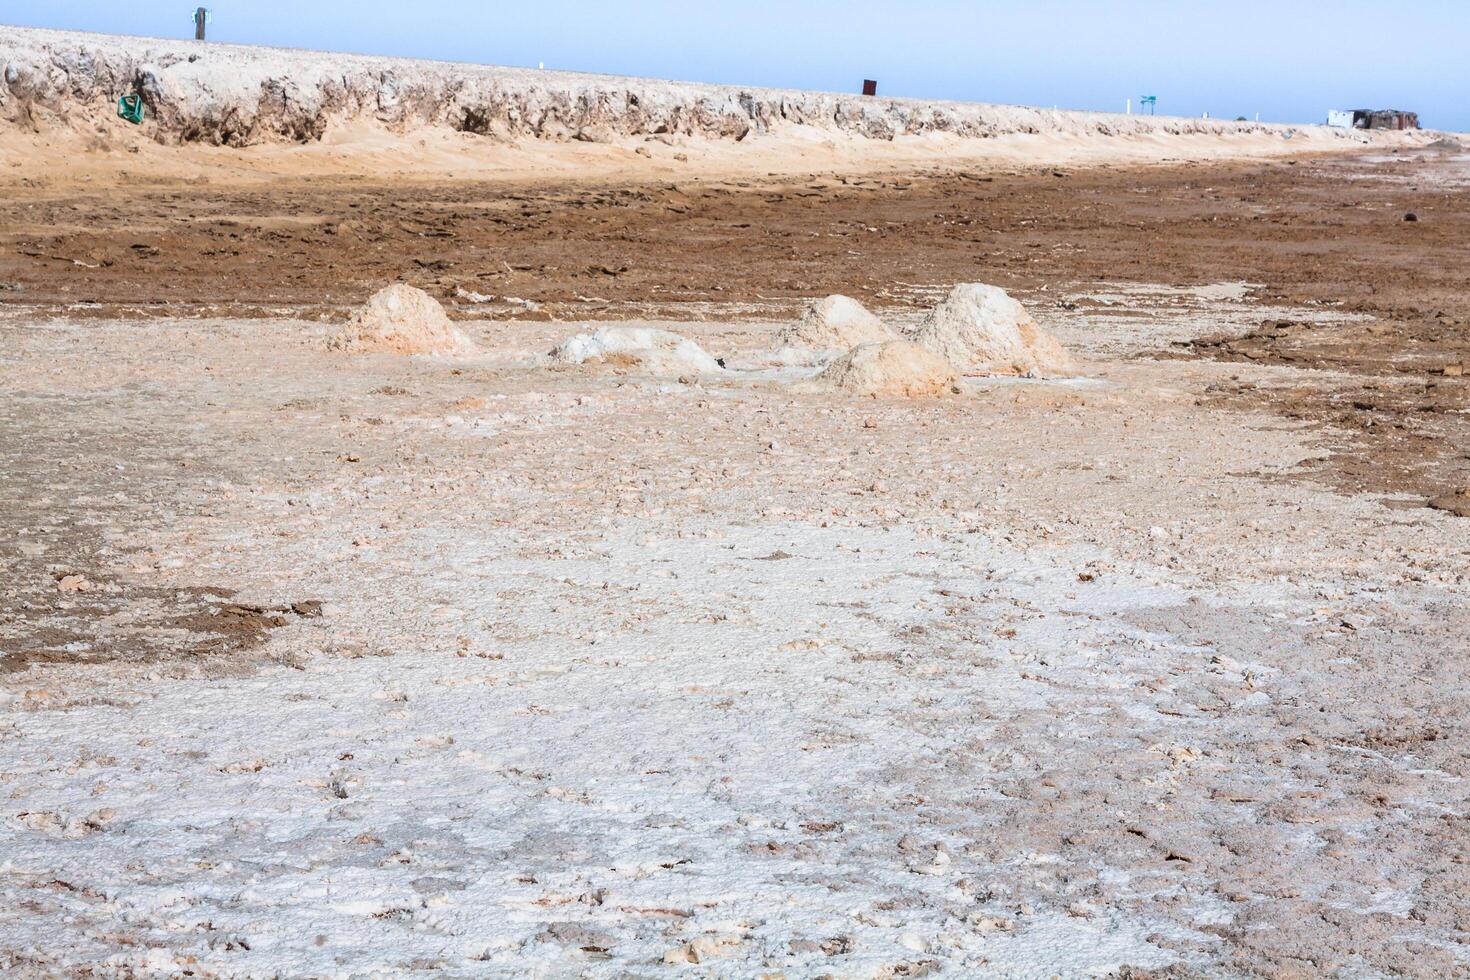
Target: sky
(1288, 60)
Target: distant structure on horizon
(1372, 119)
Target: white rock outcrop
(401, 319)
(980, 329)
(659, 352)
(894, 368)
(236, 95)
(835, 323)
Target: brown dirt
(59, 606)
(184, 631)
(1390, 391)
(1317, 231)
(1321, 230)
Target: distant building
(1372, 119)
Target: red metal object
(870, 87)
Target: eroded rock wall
(238, 96)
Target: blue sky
(1288, 60)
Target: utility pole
(201, 17)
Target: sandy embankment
(302, 112)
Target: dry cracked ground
(330, 664)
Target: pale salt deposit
(893, 368)
(612, 676)
(835, 323)
(234, 95)
(401, 319)
(980, 329)
(647, 348)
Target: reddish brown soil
(1317, 231)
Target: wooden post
(200, 16)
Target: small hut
(1372, 119)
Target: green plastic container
(130, 107)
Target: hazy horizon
(1285, 61)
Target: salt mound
(655, 351)
(835, 323)
(402, 320)
(981, 330)
(893, 368)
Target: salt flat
(615, 673)
(354, 641)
